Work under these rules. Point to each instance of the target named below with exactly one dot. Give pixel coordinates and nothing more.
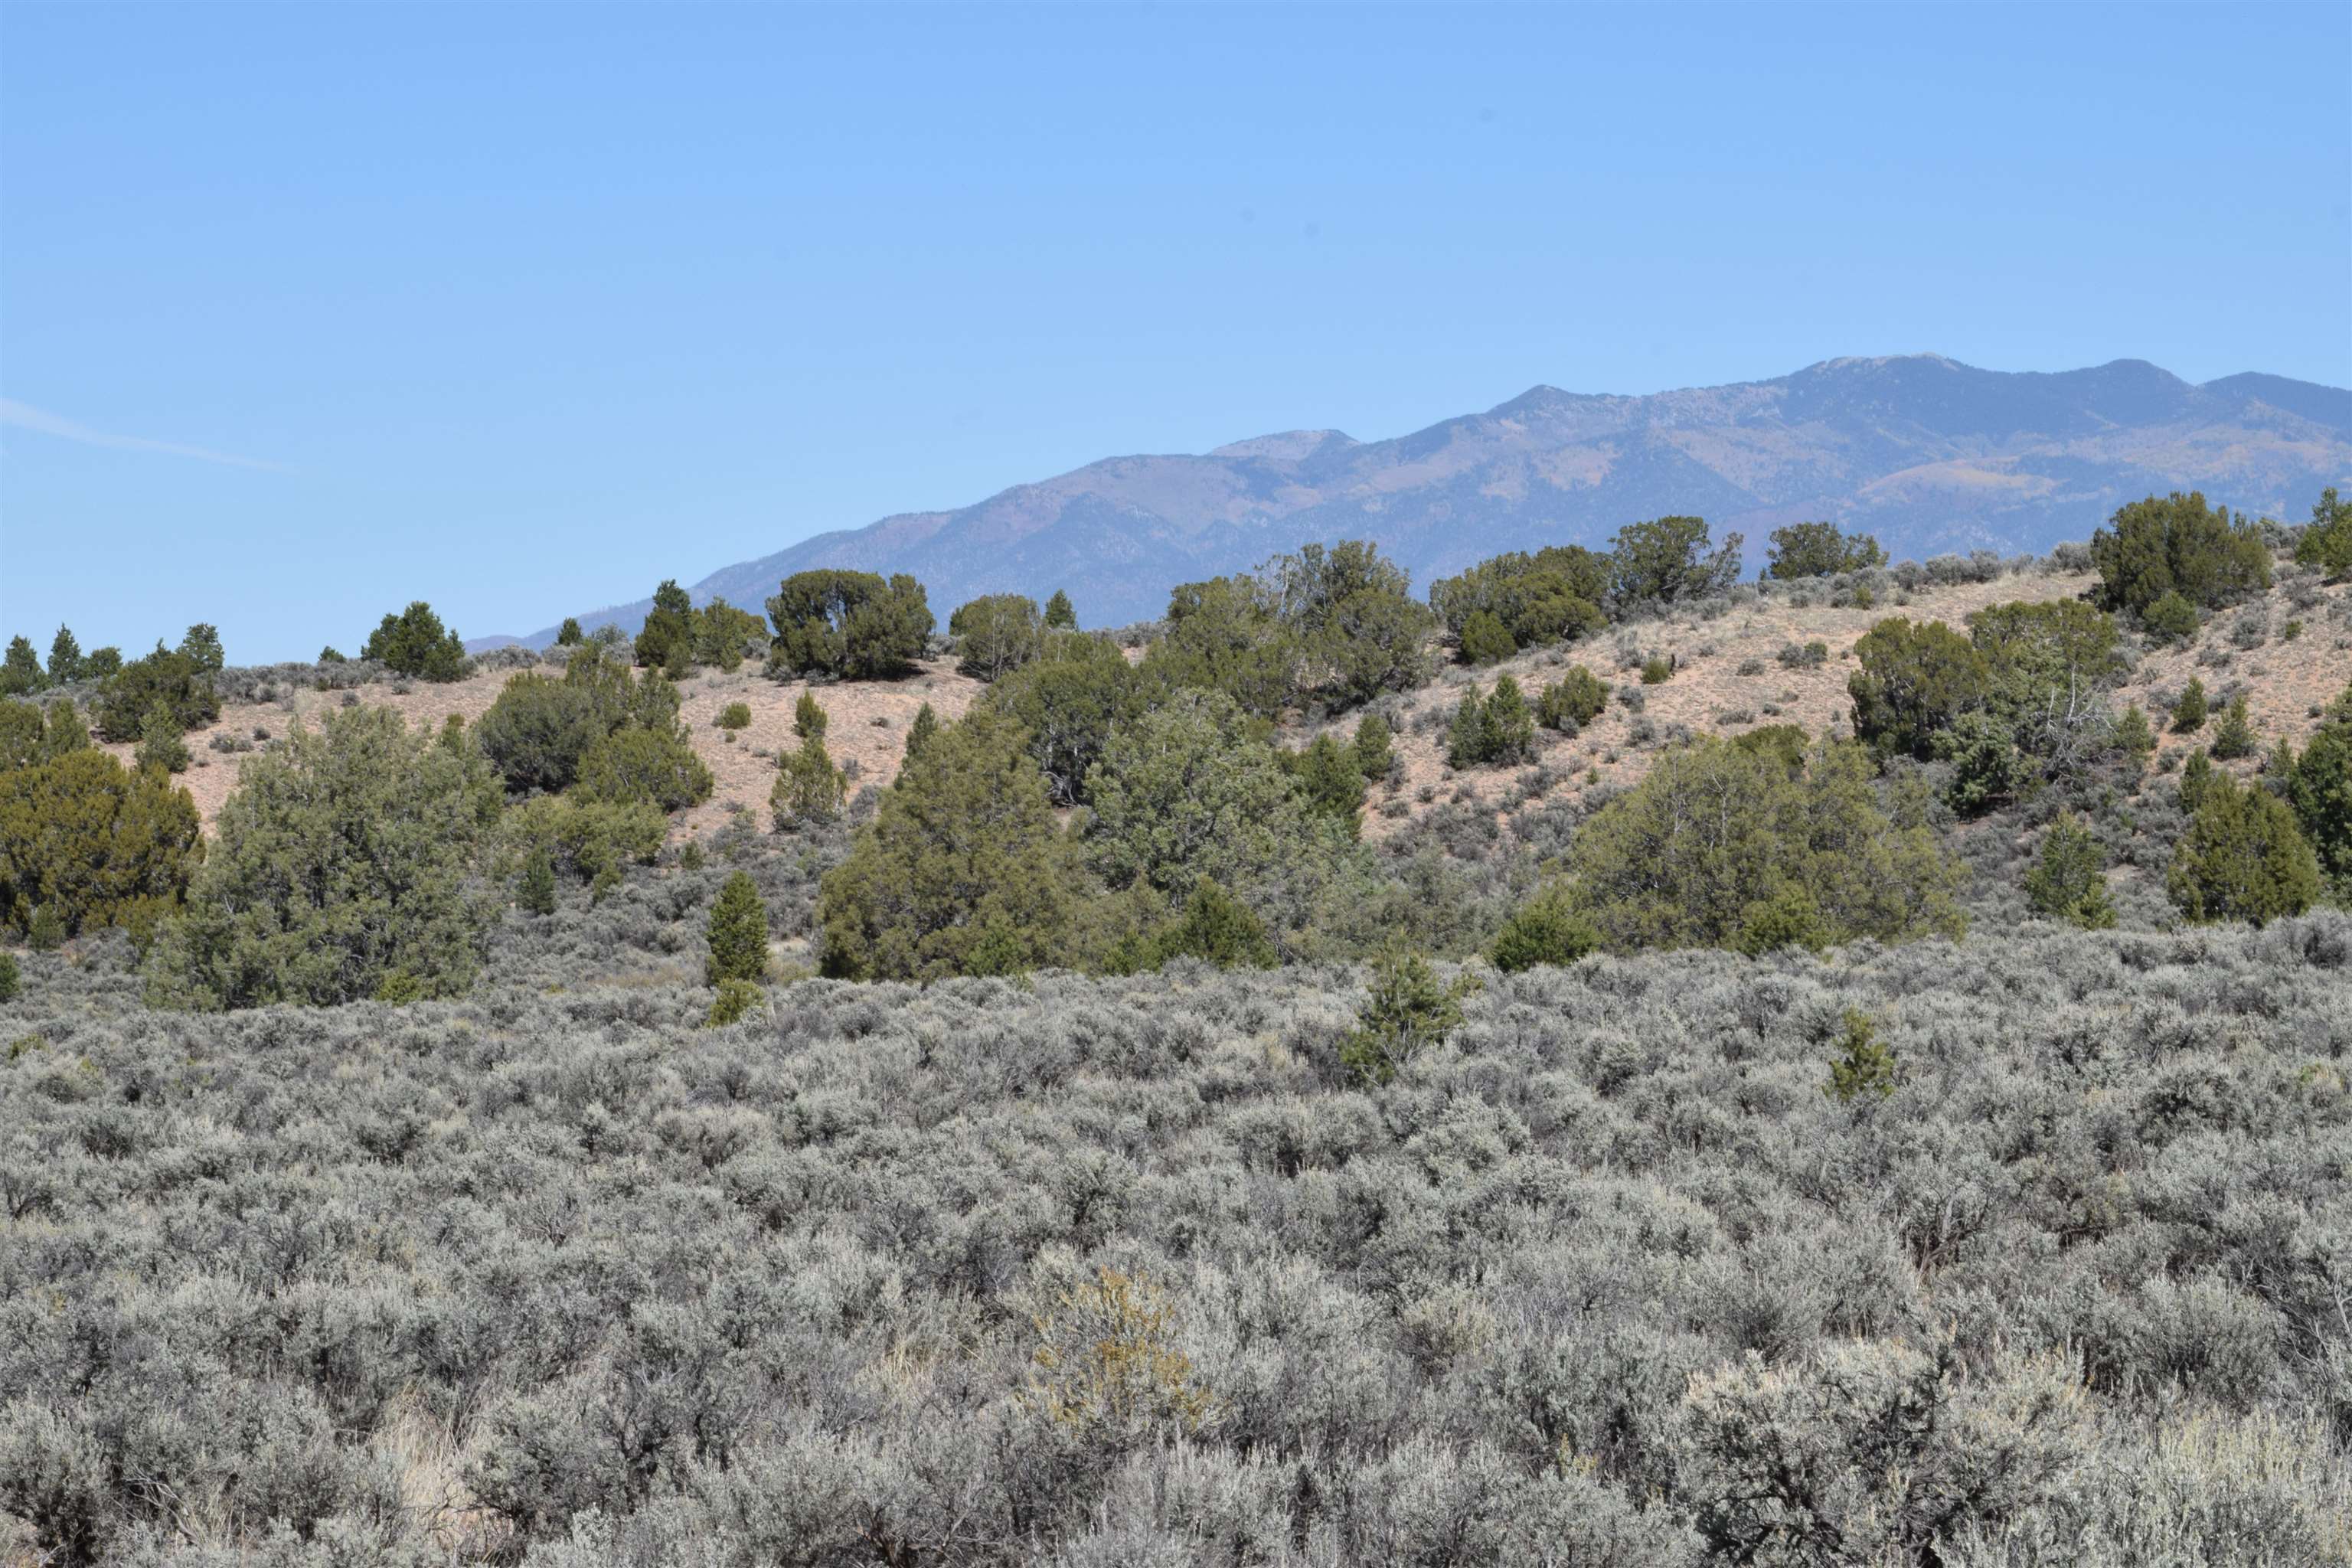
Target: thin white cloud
(24, 416)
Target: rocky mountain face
(1932, 456)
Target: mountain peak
(1880, 361)
(1542, 397)
(1286, 446)
(2326, 405)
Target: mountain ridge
(1932, 454)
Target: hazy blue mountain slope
(1930, 455)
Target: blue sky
(307, 310)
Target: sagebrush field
(1133, 1271)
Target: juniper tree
(723, 633)
(165, 679)
(1820, 550)
(1668, 560)
(1059, 614)
(1330, 781)
(2131, 734)
(964, 871)
(1215, 927)
(809, 788)
(2178, 544)
(342, 865)
(160, 745)
(29, 736)
(1914, 681)
(2068, 879)
(809, 719)
(2170, 616)
(2327, 542)
(541, 728)
(919, 731)
(1405, 1012)
(2189, 714)
(1551, 596)
(2047, 663)
(536, 892)
(20, 671)
(996, 633)
(22, 731)
(2244, 858)
(1716, 830)
(852, 624)
(737, 933)
(1985, 769)
(590, 840)
(414, 642)
(2234, 737)
(1069, 701)
(666, 637)
(1357, 629)
(1467, 742)
(1545, 930)
(62, 730)
(92, 842)
(1787, 916)
(655, 765)
(1572, 701)
(1189, 791)
(2318, 785)
(202, 648)
(1863, 1064)
(2196, 777)
(1373, 747)
(1485, 640)
(64, 656)
(734, 1002)
(1510, 728)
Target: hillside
(1931, 455)
(1714, 690)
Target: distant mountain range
(1931, 455)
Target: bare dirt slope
(2286, 682)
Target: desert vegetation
(1606, 1270)
(1605, 1063)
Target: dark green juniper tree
(1406, 1011)
(2068, 881)
(738, 932)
